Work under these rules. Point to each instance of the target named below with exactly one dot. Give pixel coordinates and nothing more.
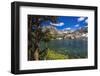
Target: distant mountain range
(81, 33)
(54, 30)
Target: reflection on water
(76, 47)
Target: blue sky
(69, 22)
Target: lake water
(78, 48)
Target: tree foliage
(35, 34)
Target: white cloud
(81, 19)
(57, 24)
(61, 23)
(77, 25)
(68, 28)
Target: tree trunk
(36, 50)
(36, 54)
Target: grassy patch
(52, 55)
